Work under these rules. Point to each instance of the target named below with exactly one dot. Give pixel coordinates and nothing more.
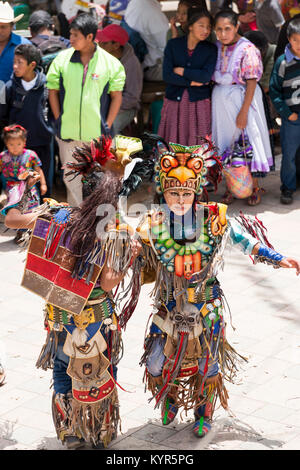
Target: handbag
(236, 169)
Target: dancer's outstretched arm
(273, 256)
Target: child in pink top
(16, 160)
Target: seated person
(114, 39)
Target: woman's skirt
(227, 101)
(185, 122)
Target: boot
(61, 412)
(168, 410)
(202, 424)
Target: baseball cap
(40, 18)
(112, 32)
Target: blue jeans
(290, 142)
(62, 382)
(157, 359)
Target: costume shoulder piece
(217, 220)
(144, 226)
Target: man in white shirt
(147, 18)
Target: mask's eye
(168, 162)
(178, 317)
(196, 164)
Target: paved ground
(265, 404)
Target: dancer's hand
(290, 263)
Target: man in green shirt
(85, 94)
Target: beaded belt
(96, 310)
(197, 296)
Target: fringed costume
(186, 354)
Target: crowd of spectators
(75, 76)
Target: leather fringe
(229, 360)
(47, 355)
(148, 343)
(190, 393)
(153, 384)
(97, 422)
(213, 390)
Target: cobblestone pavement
(264, 404)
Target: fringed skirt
(185, 122)
(84, 360)
(202, 362)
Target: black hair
(229, 14)
(30, 53)
(293, 27)
(35, 29)
(194, 3)
(194, 14)
(258, 39)
(86, 24)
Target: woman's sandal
(227, 198)
(255, 197)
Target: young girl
(189, 63)
(16, 160)
(237, 102)
(182, 17)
